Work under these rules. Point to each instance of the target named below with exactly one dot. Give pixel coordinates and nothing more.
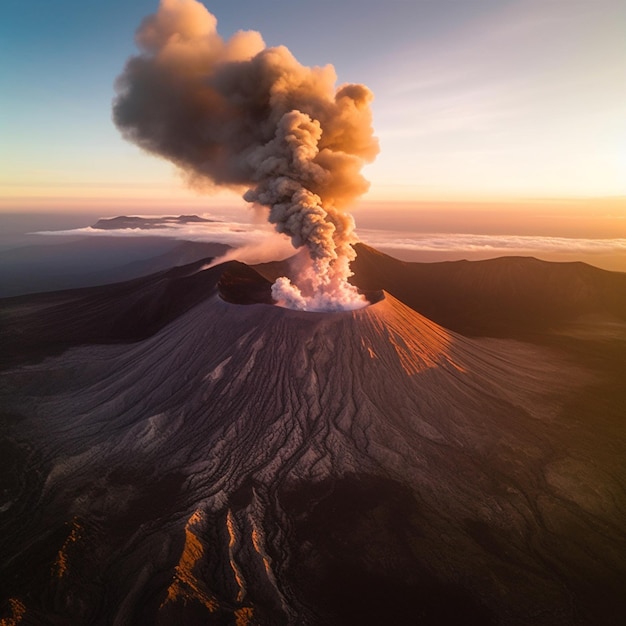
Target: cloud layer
(256, 243)
(435, 242)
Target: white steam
(238, 114)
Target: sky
(475, 100)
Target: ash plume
(235, 113)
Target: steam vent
(171, 456)
(241, 284)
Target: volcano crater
(242, 284)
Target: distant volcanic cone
(257, 465)
(238, 114)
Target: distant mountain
(176, 450)
(147, 223)
(92, 260)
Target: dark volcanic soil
(170, 455)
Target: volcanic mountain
(180, 451)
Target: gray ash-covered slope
(248, 464)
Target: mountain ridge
(287, 442)
(476, 298)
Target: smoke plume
(235, 113)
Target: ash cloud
(235, 113)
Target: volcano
(177, 450)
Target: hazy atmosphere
(479, 100)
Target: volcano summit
(252, 464)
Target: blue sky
(474, 98)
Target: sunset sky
(474, 99)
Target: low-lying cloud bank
(434, 242)
(251, 243)
(227, 232)
(257, 242)
(606, 253)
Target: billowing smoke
(235, 113)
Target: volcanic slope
(249, 464)
(518, 297)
